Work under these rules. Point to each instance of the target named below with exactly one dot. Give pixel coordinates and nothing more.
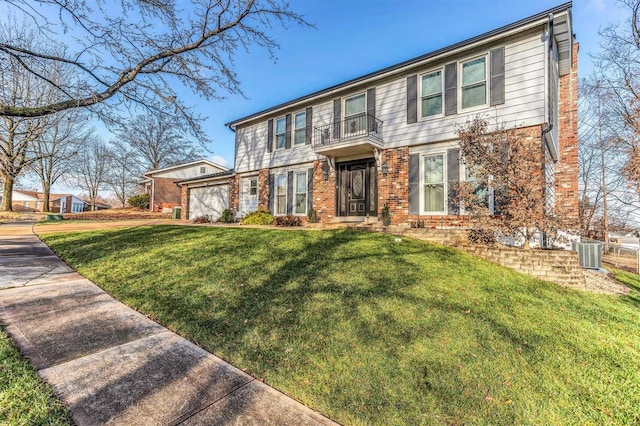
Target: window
(281, 194)
(300, 128)
(474, 82)
(481, 191)
(281, 130)
(253, 187)
(301, 193)
(431, 94)
(355, 114)
(433, 183)
(203, 170)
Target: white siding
(524, 106)
(188, 172)
(524, 100)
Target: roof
(39, 195)
(180, 166)
(211, 176)
(415, 61)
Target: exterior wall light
(385, 168)
(325, 174)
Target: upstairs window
(300, 128)
(355, 109)
(281, 130)
(203, 170)
(474, 83)
(431, 94)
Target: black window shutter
(290, 193)
(414, 184)
(451, 88)
(309, 125)
(272, 192)
(287, 136)
(269, 136)
(337, 116)
(453, 177)
(309, 189)
(497, 76)
(412, 99)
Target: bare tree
(618, 73)
(17, 134)
(55, 150)
(91, 168)
(505, 189)
(123, 172)
(157, 141)
(138, 51)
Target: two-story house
(388, 137)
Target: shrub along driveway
(369, 330)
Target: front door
(357, 189)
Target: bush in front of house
(259, 217)
(481, 236)
(227, 216)
(201, 219)
(140, 201)
(288, 220)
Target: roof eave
(532, 21)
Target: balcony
(354, 135)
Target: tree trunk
(46, 192)
(7, 192)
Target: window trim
(345, 117)
(275, 133)
(295, 192)
(423, 155)
(294, 130)
(420, 97)
(460, 85)
(251, 180)
(276, 195)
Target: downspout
(153, 193)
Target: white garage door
(208, 201)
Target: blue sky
(355, 37)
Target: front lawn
(370, 330)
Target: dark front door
(357, 189)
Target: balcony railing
(358, 126)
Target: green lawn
(24, 398)
(368, 330)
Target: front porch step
(355, 219)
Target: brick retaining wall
(558, 266)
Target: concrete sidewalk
(110, 364)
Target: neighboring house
(26, 201)
(33, 201)
(161, 186)
(388, 138)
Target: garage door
(208, 201)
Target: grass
(368, 330)
(24, 398)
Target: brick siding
(166, 194)
(567, 167)
(324, 192)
